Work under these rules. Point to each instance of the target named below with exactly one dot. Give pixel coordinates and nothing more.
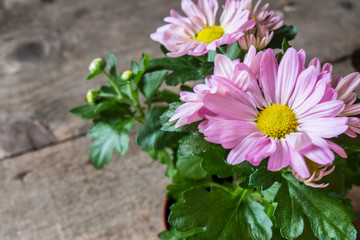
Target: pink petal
(229, 107)
(183, 50)
(223, 66)
(347, 85)
(313, 99)
(228, 133)
(261, 150)
(299, 165)
(302, 58)
(268, 74)
(325, 127)
(319, 154)
(237, 154)
(324, 109)
(187, 113)
(280, 158)
(194, 13)
(250, 55)
(209, 8)
(287, 76)
(242, 76)
(229, 11)
(304, 86)
(336, 148)
(316, 63)
(298, 140)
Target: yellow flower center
(209, 34)
(276, 121)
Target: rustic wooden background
(48, 189)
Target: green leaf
(279, 57)
(89, 111)
(189, 167)
(172, 234)
(233, 51)
(134, 67)
(220, 215)
(170, 126)
(151, 82)
(214, 163)
(285, 45)
(184, 63)
(307, 233)
(263, 177)
(336, 182)
(287, 31)
(184, 68)
(93, 75)
(186, 88)
(329, 218)
(178, 77)
(144, 63)
(112, 65)
(194, 144)
(109, 137)
(166, 96)
(181, 185)
(163, 49)
(149, 135)
(270, 193)
(211, 56)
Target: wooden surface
(48, 189)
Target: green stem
(212, 184)
(244, 193)
(136, 102)
(113, 84)
(107, 95)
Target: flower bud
(97, 65)
(91, 96)
(127, 75)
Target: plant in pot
(263, 146)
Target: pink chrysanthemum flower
(284, 121)
(266, 23)
(228, 76)
(197, 33)
(343, 89)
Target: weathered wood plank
(55, 194)
(45, 50)
(327, 29)
(46, 46)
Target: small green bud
(91, 96)
(97, 65)
(127, 75)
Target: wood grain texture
(45, 51)
(52, 192)
(56, 194)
